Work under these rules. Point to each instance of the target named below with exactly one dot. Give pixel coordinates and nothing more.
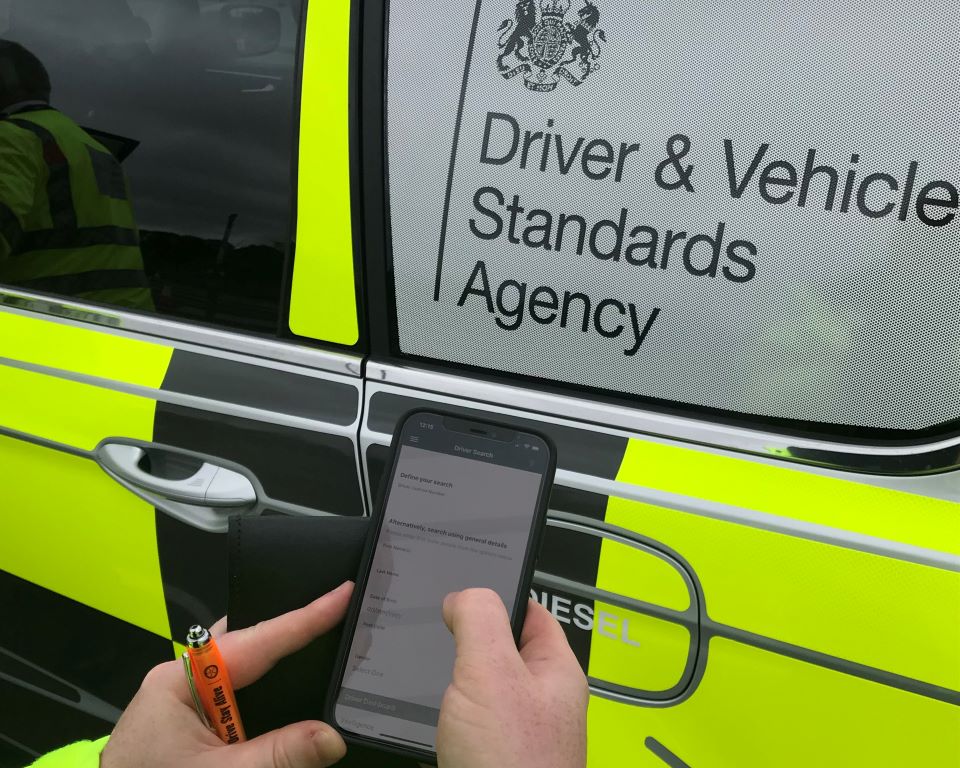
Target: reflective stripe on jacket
(82, 754)
(66, 222)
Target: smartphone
(463, 506)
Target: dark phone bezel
(353, 612)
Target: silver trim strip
(740, 516)
(945, 485)
(686, 619)
(175, 333)
(264, 500)
(243, 74)
(88, 703)
(663, 753)
(763, 520)
(193, 401)
(601, 530)
(943, 455)
(17, 745)
(704, 629)
(711, 629)
(15, 434)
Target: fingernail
(329, 745)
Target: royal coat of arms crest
(549, 48)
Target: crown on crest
(556, 9)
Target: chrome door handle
(210, 486)
(202, 500)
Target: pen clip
(191, 684)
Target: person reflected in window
(66, 220)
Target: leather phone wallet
(278, 564)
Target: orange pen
(210, 686)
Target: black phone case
(520, 607)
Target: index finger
(251, 653)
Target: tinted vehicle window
(734, 206)
(195, 100)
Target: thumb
(301, 745)
(481, 628)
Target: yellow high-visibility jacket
(81, 754)
(66, 222)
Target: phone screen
(459, 513)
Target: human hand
(506, 707)
(160, 728)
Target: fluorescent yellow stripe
(882, 612)
(759, 710)
(323, 301)
(65, 524)
(83, 350)
(69, 527)
(71, 413)
(794, 493)
(878, 611)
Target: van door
(631, 226)
(123, 456)
(128, 438)
(718, 601)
